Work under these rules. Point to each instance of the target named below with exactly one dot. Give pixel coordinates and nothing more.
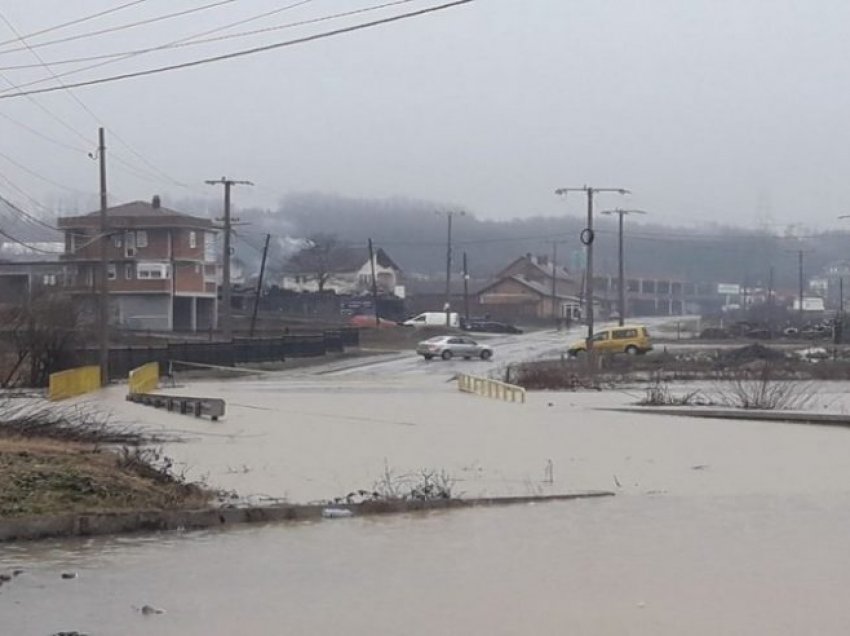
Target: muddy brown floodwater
(718, 527)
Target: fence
(486, 387)
(65, 384)
(226, 354)
(144, 379)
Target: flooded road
(718, 527)
(628, 565)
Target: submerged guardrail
(486, 387)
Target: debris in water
(5, 578)
(148, 610)
(69, 575)
(617, 481)
(699, 467)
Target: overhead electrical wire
(120, 27)
(76, 21)
(240, 53)
(199, 38)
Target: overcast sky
(731, 111)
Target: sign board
(810, 303)
(726, 289)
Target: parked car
(448, 347)
(433, 319)
(489, 326)
(630, 339)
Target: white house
(344, 270)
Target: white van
(433, 319)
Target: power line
(40, 176)
(78, 100)
(86, 18)
(121, 27)
(199, 39)
(241, 53)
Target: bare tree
(44, 332)
(317, 258)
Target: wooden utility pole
(587, 238)
(227, 308)
(374, 285)
(621, 269)
(554, 283)
(260, 284)
(465, 290)
(800, 274)
(103, 301)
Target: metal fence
(225, 354)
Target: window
(599, 337)
(111, 271)
(623, 334)
(153, 271)
(130, 244)
(142, 238)
(193, 240)
(128, 271)
(116, 240)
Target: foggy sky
(729, 111)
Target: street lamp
(621, 273)
(587, 237)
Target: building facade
(161, 266)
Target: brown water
(630, 565)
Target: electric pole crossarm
(227, 308)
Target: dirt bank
(44, 477)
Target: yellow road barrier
(144, 379)
(486, 387)
(65, 384)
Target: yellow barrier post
(144, 379)
(65, 384)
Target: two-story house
(345, 270)
(162, 265)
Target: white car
(448, 347)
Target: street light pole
(621, 268)
(587, 237)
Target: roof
(538, 288)
(547, 268)
(348, 259)
(137, 214)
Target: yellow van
(631, 339)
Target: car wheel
(446, 355)
(428, 356)
(486, 355)
(632, 350)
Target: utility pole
(374, 285)
(587, 237)
(227, 310)
(800, 273)
(555, 283)
(621, 286)
(103, 307)
(260, 284)
(448, 303)
(770, 299)
(465, 290)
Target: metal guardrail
(486, 387)
(210, 407)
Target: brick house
(162, 266)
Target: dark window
(622, 334)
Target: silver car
(448, 347)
